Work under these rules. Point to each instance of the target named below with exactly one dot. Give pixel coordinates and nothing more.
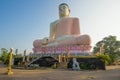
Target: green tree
(4, 55)
(111, 46)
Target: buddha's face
(64, 10)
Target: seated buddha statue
(65, 31)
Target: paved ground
(60, 74)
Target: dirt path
(60, 74)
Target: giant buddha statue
(64, 31)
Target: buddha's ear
(69, 10)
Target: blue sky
(23, 21)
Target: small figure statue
(10, 62)
(75, 65)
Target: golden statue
(64, 31)
(10, 62)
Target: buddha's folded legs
(84, 40)
(78, 40)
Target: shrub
(105, 58)
(113, 57)
(54, 66)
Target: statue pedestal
(64, 49)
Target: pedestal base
(9, 72)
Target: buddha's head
(64, 10)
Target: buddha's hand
(45, 40)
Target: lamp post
(10, 62)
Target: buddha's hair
(63, 4)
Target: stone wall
(88, 63)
